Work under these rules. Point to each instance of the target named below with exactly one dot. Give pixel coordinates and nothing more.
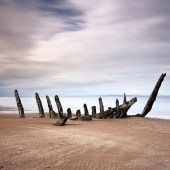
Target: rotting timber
(120, 111)
(40, 106)
(153, 96)
(19, 104)
(69, 113)
(62, 118)
(86, 112)
(93, 111)
(52, 113)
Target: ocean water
(160, 109)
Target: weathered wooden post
(101, 105)
(52, 113)
(93, 111)
(63, 118)
(58, 103)
(39, 104)
(86, 112)
(118, 110)
(153, 96)
(124, 100)
(78, 114)
(19, 104)
(69, 113)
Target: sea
(160, 109)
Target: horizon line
(107, 95)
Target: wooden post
(19, 104)
(52, 113)
(39, 104)
(86, 112)
(124, 100)
(62, 118)
(153, 96)
(118, 110)
(78, 114)
(58, 103)
(93, 111)
(101, 105)
(69, 113)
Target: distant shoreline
(109, 95)
(7, 108)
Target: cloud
(80, 47)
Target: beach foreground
(112, 144)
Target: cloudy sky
(80, 47)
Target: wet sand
(109, 144)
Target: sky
(80, 47)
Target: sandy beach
(108, 144)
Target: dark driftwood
(39, 104)
(58, 103)
(52, 113)
(78, 114)
(111, 111)
(120, 111)
(62, 118)
(86, 112)
(101, 105)
(86, 118)
(106, 114)
(153, 96)
(93, 111)
(69, 113)
(19, 104)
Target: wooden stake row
(120, 111)
(52, 113)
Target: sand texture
(109, 144)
